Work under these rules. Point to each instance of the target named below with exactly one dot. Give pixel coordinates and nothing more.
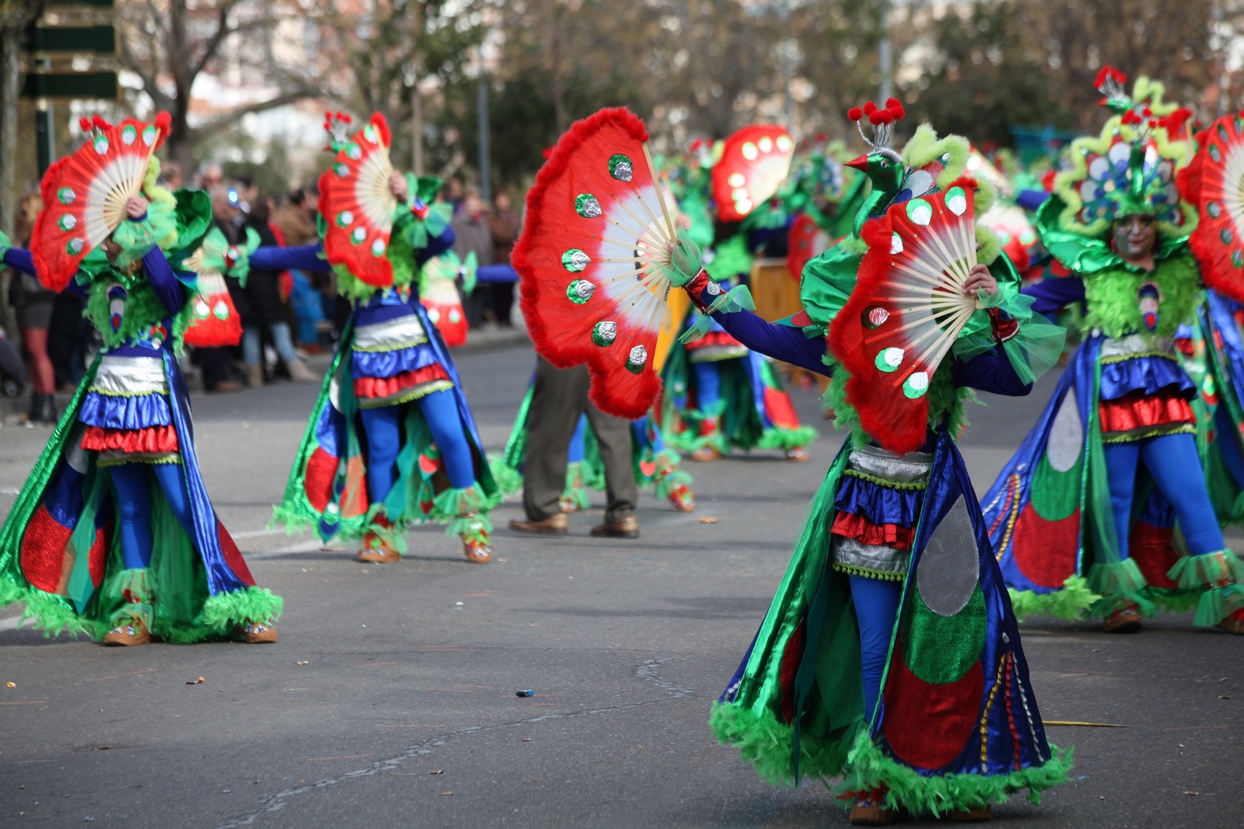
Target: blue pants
(384, 440)
(1175, 466)
(280, 340)
(577, 447)
(707, 385)
(132, 486)
(876, 609)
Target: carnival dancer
(720, 395)
(391, 441)
(890, 654)
(113, 534)
(1083, 516)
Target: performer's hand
(398, 187)
(685, 259)
(136, 208)
(980, 279)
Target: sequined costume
(889, 654)
(1083, 517)
(391, 440)
(114, 534)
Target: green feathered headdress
(1128, 169)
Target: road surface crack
(647, 671)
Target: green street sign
(101, 40)
(70, 85)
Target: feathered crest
(337, 125)
(882, 121)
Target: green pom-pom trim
(869, 769)
(784, 439)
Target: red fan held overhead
(754, 163)
(1218, 240)
(84, 194)
(355, 200)
(596, 238)
(906, 311)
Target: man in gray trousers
(558, 398)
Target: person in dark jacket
(265, 308)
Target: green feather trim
(732, 260)
(779, 438)
(925, 147)
(1114, 307)
(142, 310)
(55, 615)
(988, 245)
(769, 745)
(1071, 602)
(870, 769)
(986, 197)
(224, 611)
(509, 480)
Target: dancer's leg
(876, 608)
(382, 427)
(440, 410)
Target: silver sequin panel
(900, 469)
(1136, 344)
(390, 335)
(130, 375)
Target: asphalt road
(389, 699)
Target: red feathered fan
(806, 242)
(906, 311)
(754, 163)
(1214, 182)
(591, 258)
(356, 203)
(84, 194)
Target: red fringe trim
(848, 525)
(156, 440)
(379, 387)
(1141, 411)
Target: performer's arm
(780, 342)
(496, 273)
(164, 281)
(20, 260)
(991, 372)
(1053, 295)
(304, 258)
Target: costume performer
(890, 654)
(719, 394)
(655, 464)
(391, 440)
(113, 533)
(1083, 516)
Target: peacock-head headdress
(1128, 169)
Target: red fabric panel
(1139, 411)
(1151, 548)
(153, 441)
(1045, 551)
(791, 657)
(318, 479)
(780, 410)
(927, 725)
(233, 556)
(857, 526)
(43, 550)
(378, 387)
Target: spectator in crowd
(170, 175)
(454, 193)
(296, 218)
(265, 308)
(505, 227)
(33, 305)
(216, 363)
(210, 177)
(473, 235)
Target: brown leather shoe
(627, 527)
(799, 454)
(706, 454)
(555, 524)
(476, 550)
(977, 815)
(1124, 620)
(682, 498)
(259, 633)
(133, 632)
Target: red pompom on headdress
(882, 120)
